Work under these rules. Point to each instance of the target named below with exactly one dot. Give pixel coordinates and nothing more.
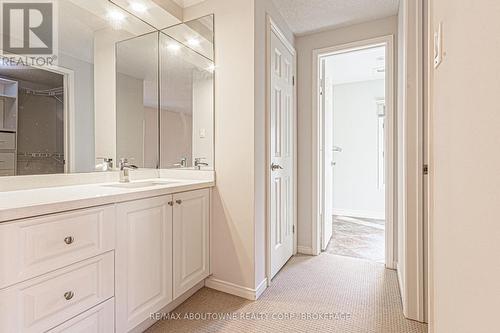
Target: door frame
(317, 196)
(69, 111)
(272, 27)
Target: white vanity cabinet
(143, 260)
(191, 239)
(162, 251)
(103, 269)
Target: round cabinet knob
(69, 240)
(69, 295)
(178, 201)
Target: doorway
(354, 164)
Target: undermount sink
(140, 184)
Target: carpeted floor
(351, 295)
(358, 238)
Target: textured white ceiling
(306, 16)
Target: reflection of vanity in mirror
(123, 87)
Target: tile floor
(358, 238)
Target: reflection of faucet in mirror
(106, 165)
(183, 163)
(198, 162)
(124, 170)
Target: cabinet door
(191, 235)
(143, 260)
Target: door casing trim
(390, 97)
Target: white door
(143, 260)
(191, 248)
(281, 150)
(326, 95)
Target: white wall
(356, 190)
(202, 118)
(305, 46)
(130, 119)
(176, 138)
(465, 187)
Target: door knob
(69, 295)
(275, 167)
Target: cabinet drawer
(7, 161)
(7, 140)
(99, 319)
(40, 304)
(36, 246)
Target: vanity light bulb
(174, 47)
(194, 42)
(138, 7)
(115, 18)
(211, 68)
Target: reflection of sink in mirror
(140, 184)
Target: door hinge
(293, 80)
(426, 169)
(293, 228)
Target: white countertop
(41, 201)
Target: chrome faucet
(183, 163)
(107, 164)
(198, 162)
(125, 167)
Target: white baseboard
(364, 214)
(305, 250)
(167, 309)
(237, 290)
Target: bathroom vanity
(84, 245)
(102, 257)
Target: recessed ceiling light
(138, 7)
(194, 42)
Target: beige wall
(465, 172)
(232, 230)
(238, 226)
(305, 46)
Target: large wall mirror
(117, 90)
(165, 103)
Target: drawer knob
(69, 240)
(178, 201)
(170, 203)
(69, 295)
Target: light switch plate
(203, 133)
(438, 46)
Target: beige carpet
(352, 295)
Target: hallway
(359, 296)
